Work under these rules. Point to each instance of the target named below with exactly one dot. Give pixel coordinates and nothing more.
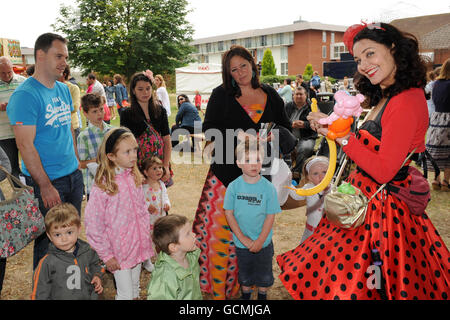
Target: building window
(284, 68)
(336, 49)
(233, 41)
(284, 54)
(332, 37)
(259, 54)
(281, 38)
(324, 36)
(248, 42)
(208, 47)
(275, 39)
(324, 52)
(263, 41)
(203, 59)
(220, 46)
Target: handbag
(347, 208)
(150, 143)
(20, 218)
(416, 195)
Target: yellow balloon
(331, 167)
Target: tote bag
(20, 218)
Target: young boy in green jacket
(177, 272)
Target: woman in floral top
(147, 120)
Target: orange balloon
(339, 128)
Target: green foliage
(126, 36)
(271, 79)
(268, 64)
(307, 74)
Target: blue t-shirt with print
(33, 104)
(251, 203)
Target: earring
(233, 82)
(253, 74)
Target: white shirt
(163, 96)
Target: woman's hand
(313, 118)
(166, 175)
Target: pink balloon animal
(346, 106)
(340, 121)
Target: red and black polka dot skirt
(335, 263)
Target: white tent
(201, 77)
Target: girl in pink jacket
(116, 218)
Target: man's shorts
(255, 268)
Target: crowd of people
(228, 250)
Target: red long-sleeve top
(404, 125)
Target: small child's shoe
(262, 295)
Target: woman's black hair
(410, 68)
(186, 99)
(236, 50)
(154, 108)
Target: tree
(268, 65)
(126, 36)
(307, 74)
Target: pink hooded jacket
(119, 225)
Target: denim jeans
(70, 189)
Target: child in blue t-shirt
(250, 206)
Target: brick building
(293, 46)
(432, 32)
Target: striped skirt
(438, 139)
(218, 264)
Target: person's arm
(42, 283)
(180, 113)
(267, 227)
(5, 163)
(163, 285)
(94, 220)
(24, 139)
(83, 153)
(246, 241)
(167, 154)
(397, 138)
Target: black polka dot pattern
(334, 263)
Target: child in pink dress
(156, 197)
(116, 217)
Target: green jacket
(64, 276)
(170, 281)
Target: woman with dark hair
(240, 102)
(393, 254)
(147, 120)
(187, 118)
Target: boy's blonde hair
(167, 230)
(106, 173)
(61, 216)
(307, 161)
(247, 146)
